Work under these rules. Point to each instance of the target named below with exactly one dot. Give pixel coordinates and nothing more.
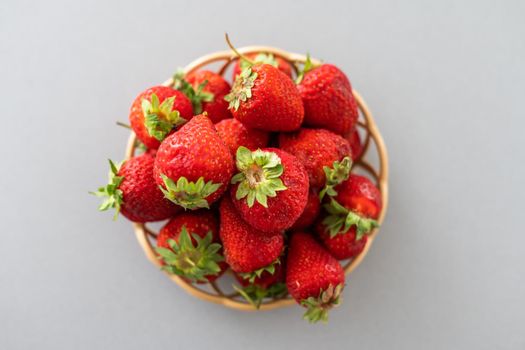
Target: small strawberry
(316, 149)
(188, 246)
(327, 97)
(235, 134)
(310, 212)
(263, 57)
(314, 278)
(271, 189)
(133, 192)
(193, 165)
(341, 245)
(248, 251)
(206, 91)
(266, 286)
(356, 146)
(156, 112)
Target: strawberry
(247, 250)
(262, 97)
(262, 57)
(314, 278)
(156, 111)
(235, 134)
(316, 149)
(193, 165)
(188, 246)
(271, 189)
(266, 286)
(327, 97)
(206, 91)
(310, 212)
(341, 245)
(133, 192)
(356, 146)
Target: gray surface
(445, 81)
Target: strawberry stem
(240, 55)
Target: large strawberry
(248, 251)
(327, 98)
(310, 212)
(188, 246)
(193, 165)
(156, 112)
(314, 278)
(263, 97)
(133, 192)
(270, 190)
(262, 57)
(235, 134)
(266, 286)
(206, 91)
(317, 149)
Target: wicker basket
(373, 150)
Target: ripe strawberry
(341, 245)
(310, 212)
(156, 111)
(314, 278)
(247, 250)
(271, 189)
(235, 134)
(316, 149)
(263, 57)
(262, 97)
(193, 165)
(327, 98)
(188, 246)
(133, 192)
(206, 91)
(356, 146)
(266, 286)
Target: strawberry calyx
(341, 220)
(251, 276)
(194, 262)
(196, 96)
(318, 307)
(241, 89)
(160, 118)
(262, 58)
(188, 194)
(258, 177)
(114, 196)
(338, 173)
(308, 66)
(255, 294)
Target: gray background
(445, 80)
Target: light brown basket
(379, 173)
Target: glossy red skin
(285, 208)
(218, 108)
(360, 195)
(193, 151)
(315, 148)
(142, 199)
(282, 65)
(343, 245)
(356, 146)
(235, 134)
(328, 100)
(275, 104)
(310, 212)
(198, 222)
(310, 268)
(266, 280)
(136, 116)
(246, 249)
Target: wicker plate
(374, 152)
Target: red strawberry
(356, 146)
(266, 286)
(341, 245)
(262, 97)
(310, 212)
(235, 134)
(271, 189)
(188, 246)
(247, 250)
(193, 165)
(328, 99)
(263, 57)
(206, 91)
(156, 111)
(133, 192)
(314, 278)
(316, 149)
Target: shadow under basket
(372, 163)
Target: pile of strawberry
(254, 177)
